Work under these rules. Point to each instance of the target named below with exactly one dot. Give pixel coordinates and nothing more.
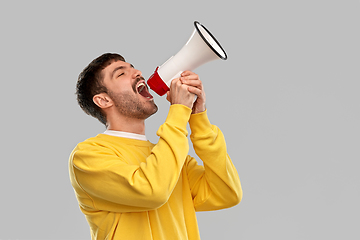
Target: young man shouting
(129, 188)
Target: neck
(124, 124)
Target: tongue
(145, 93)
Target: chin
(155, 110)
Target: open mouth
(144, 91)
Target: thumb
(168, 96)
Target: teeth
(141, 87)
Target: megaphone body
(202, 47)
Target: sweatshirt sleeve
(216, 185)
(113, 185)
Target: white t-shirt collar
(125, 135)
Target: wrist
(178, 115)
(197, 109)
(200, 124)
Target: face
(128, 90)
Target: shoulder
(105, 145)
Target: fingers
(193, 82)
(179, 94)
(184, 89)
(191, 79)
(177, 84)
(195, 86)
(187, 73)
(168, 96)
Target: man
(129, 188)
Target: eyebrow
(119, 68)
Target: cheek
(120, 87)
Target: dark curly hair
(90, 83)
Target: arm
(109, 182)
(216, 185)
(105, 180)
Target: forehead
(114, 66)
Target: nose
(136, 73)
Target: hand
(195, 86)
(179, 94)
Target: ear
(102, 100)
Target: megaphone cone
(202, 47)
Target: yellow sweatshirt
(132, 189)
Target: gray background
(287, 100)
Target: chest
(133, 154)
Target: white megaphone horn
(202, 47)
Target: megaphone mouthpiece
(202, 47)
(157, 84)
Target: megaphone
(202, 47)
